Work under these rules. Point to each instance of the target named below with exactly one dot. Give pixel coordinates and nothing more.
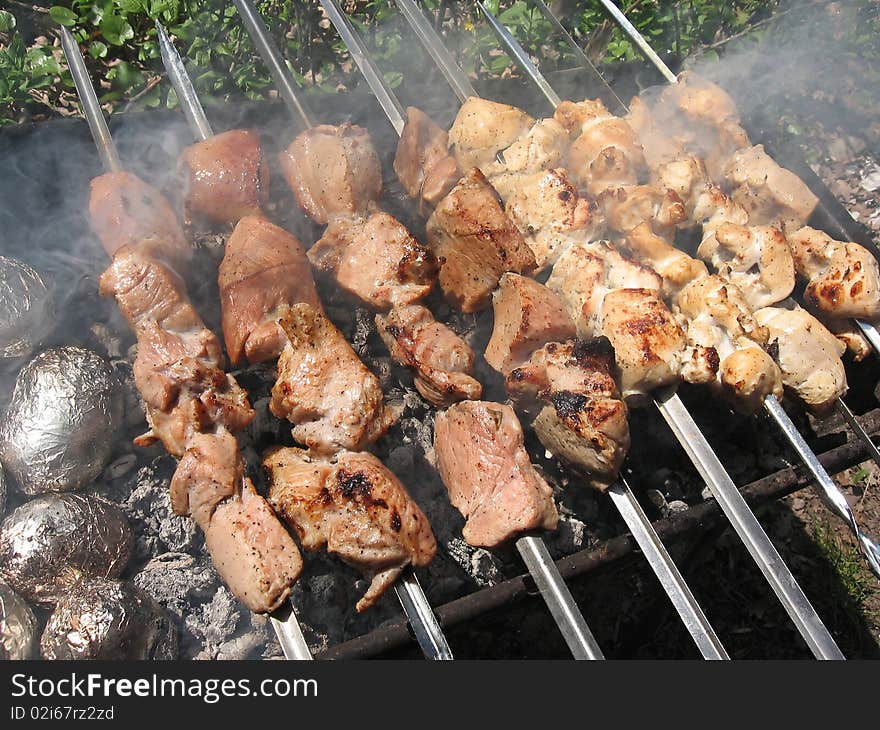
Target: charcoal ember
(18, 626)
(482, 566)
(61, 425)
(569, 536)
(108, 620)
(25, 308)
(50, 542)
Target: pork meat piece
(581, 418)
(330, 396)
(224, 177)
(333, 171)
(250, 548)
(487, 472)
(527, 316)
(375, 259)
(356, 508)
(441, 360)
(483, 128)
(475, 242)
(264, 270)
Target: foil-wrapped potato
(24, 308)
(111, 620)
(18, 626)
(50, 542)
(62, 422)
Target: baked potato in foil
(18, 626)
(25, 308)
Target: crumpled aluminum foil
(2, 493)
(50, 542)
(25, 308)
(18, 626)
(63, 420)
(110, 620)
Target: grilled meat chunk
(675, 267)
(356, 508)
(442, 361)
(251, 550)
(375, 259)
(263, 270)
(844, 278)
(487, 472)
(483, 128)
(850, 335)
(225, 177)
(624, 208)
(527, 315)
(423, 164)
(126, 211)
(330, 396)
(808, 355)
(475, 242)
(333, 171)
(178, 369)
(582, 420)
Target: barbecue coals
(19, 633)
(62, 422)
(25, 308)
(49, 543)
(356, 508)
(109, 620)
(484, 465)
(224, 178)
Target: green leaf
(62, 16)
(7, 21)
(42, 63)
(97, 49)
(130, 6)
(116, 30)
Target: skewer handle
(636, 37)
(673, 583)
(289, 633)
(90, 104)
(183, 87)
(422, 619)
(559, 600)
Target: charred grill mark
(396, 524)
(358, 487)
(568, 404)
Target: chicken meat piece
(547, 210)
(224, 177)
(756, 259)
(423, 164)
(808, 356)
(264, 270)
(375, 259)
(475, 242)
(850, 335)
(252, 551)
(660, 144)
(487, 472)
(178, 368)
(843, 278)
(355, 507)
(771, 194)
(701, 99)
(581, 418)
(483, 128)
(441, 360)
(333, 171)
(125, 211)
(624, 208)
(673, 265)
(323, 388)
(527, 316)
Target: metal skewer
(854, 424)
(620, 493)
(554, 591)
(710, 467)
(637, 38)
(284, 621)
(426, 628)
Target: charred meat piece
(251, 550)
(582, 419)
(178, 369)
(329, 395)
(487, 472)
(483, 128)
(263, 270)
(356, 508)
(375, 259)
(225, 177)
(475, 242)
(626, 207)
(440, 358)
(333, 171)
(844, 278)
(423, 164)
(126, 211)
(527, 315)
